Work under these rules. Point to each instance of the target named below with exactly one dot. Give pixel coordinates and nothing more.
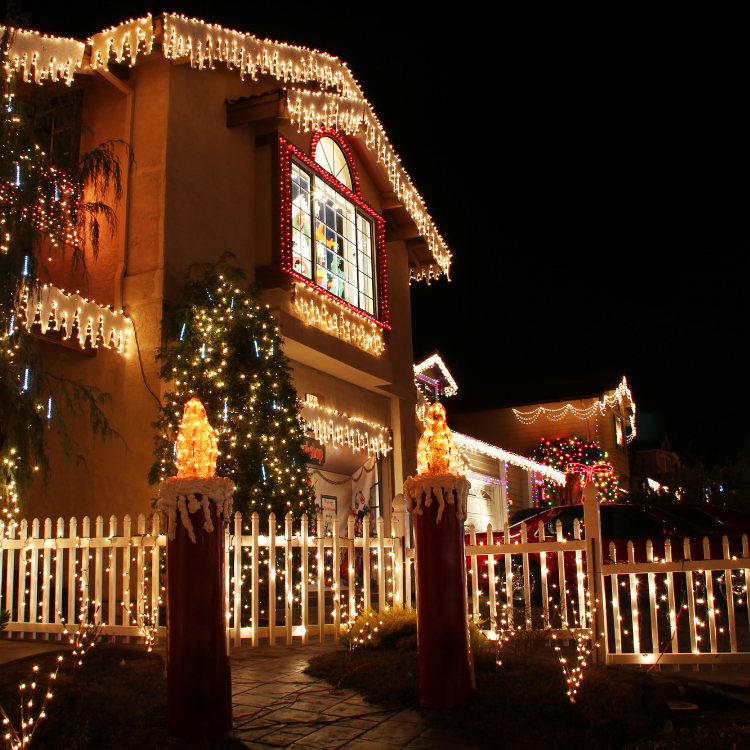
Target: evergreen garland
(228, 354)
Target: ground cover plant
(524, 702)
(116, 700)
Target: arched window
(335, 239)
(330, 156)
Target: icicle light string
(340, 104)
(621, 393)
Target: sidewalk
(276, 705)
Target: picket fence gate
(630, 612)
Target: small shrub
(379, 629)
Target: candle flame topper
(196, 443)
(437, 452)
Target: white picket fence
(655, 611)
(47, 576)
(45, 579)
(700, 607)
(380, 583)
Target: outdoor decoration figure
(199, 702)
(438, 497)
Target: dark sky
(588, 172)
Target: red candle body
(199, 691)
(442, 618)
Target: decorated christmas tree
(562, 453)
(227, 352)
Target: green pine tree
(227, 353)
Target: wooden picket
(337, 597)
(36, 593)
(657, 611)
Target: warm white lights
(331, 426)
(435, 361)
(52, 58)
(471, 444)
(334, 319)
(131, 35)
(556, 415)
(63, 312)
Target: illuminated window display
(332, 240)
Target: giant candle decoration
(437, 497)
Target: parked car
(715, 518)
(620, 524)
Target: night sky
(587, 171)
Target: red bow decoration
(588, 471)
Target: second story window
(334, 239)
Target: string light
(333, 318)
(345, 435)
(288, 154)
(435, 361)
(52, 58)
(135, 35)
(52, 309)
(608, 402)
(196, 443)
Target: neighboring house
(276, 157)
(502, 482)
(607, 416)
(651, 465)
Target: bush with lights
(563, 451)
(227, 352)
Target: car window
(567, 518)
(630, 523)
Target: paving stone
(346, 708)
(444, 743)
(394, 732)
(253, 734)
(411, 716)
(293, 714)
(360, 744)
(251, 699)
(279, 738)
(330, 738)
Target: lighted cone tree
(227, 353)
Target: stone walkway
(276, 705)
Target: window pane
(341, 238)
(301, 241)
(329, 155)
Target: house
(502, 482)
(605, 417)
(267, 151)
(651, 465)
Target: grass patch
(524, 703)
(116, 700)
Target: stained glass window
(332, 242)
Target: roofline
(337, 102)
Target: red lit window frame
(333, 133)
(287, 152)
